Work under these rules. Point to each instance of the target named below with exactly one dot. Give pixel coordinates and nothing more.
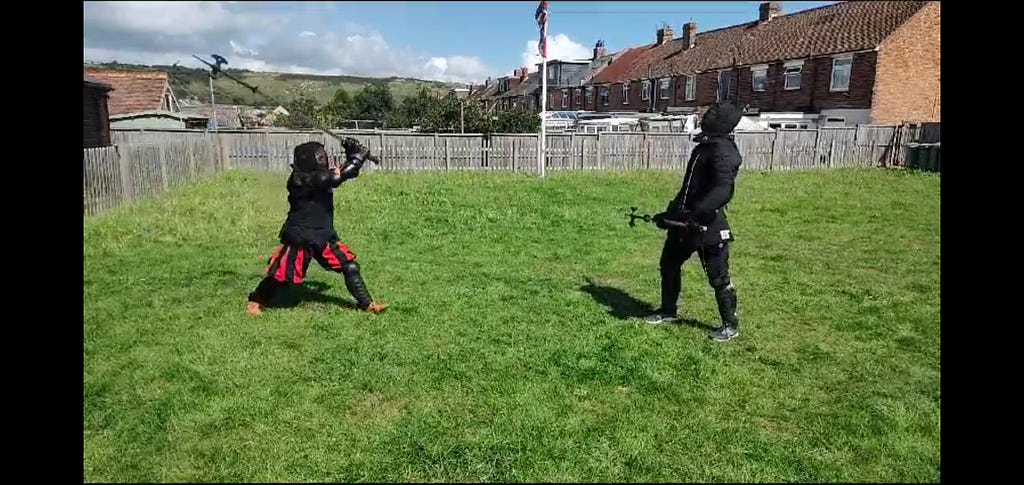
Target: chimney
(487, 83)
(689, 35)
(523, 72)
(768, 11)
(599, 50)
(665, 34)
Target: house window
(793, 73)
(645, 91)
(663, 88)
(565, 98)
(576, 98)
(691, 88)
(841, 74)
(760, 78)
(724, 85)
(625, 93)
(590, 96)
(604, 95)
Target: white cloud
(560, 46)
(258, 37)
(239, 49)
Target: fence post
(598, 162)
(125, 172)
(163, 167)
(266, 149)
(816, 160)
(514, 154)
(222, 148)
(567, 161)
(647, 150)
(447, 155)
(382, 150)
(831, 152)
(771, 158)
(583, 153)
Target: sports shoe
(660, 318)
(376, 307)
(253, 308)
(724, 333)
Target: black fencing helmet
(310, 156)
(720, 119)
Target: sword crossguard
(633, 216)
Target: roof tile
(133, 90)
(620, 66)
(843, 27)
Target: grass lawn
(510, 352)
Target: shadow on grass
(624, 306)
(308, 292)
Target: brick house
(567, 79)
(859, 62)
(506, 96)
(95, 117)
(486, 95)
(611, 90)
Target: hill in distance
(192, 83)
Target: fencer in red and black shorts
(308, 233)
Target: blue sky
(452, 41)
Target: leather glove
(352, 147)
(659, 220)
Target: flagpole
(543, 101)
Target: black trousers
(289, 263)
(678, 248)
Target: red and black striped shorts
(289, 263)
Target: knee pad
(721, 283)
(350, 268)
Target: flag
(541, 16)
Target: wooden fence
(149, 162)
(115, 175)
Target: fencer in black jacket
(708, 185)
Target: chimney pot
(689, 35)
(768, 11)
(664, 35)
(599, 50)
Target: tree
(373, 102)
(301, 114)
(517, 122)
(338, 108)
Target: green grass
(498, 361)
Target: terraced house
(567, 79)
(511, 90)
(853, 62)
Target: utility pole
(213, 105)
